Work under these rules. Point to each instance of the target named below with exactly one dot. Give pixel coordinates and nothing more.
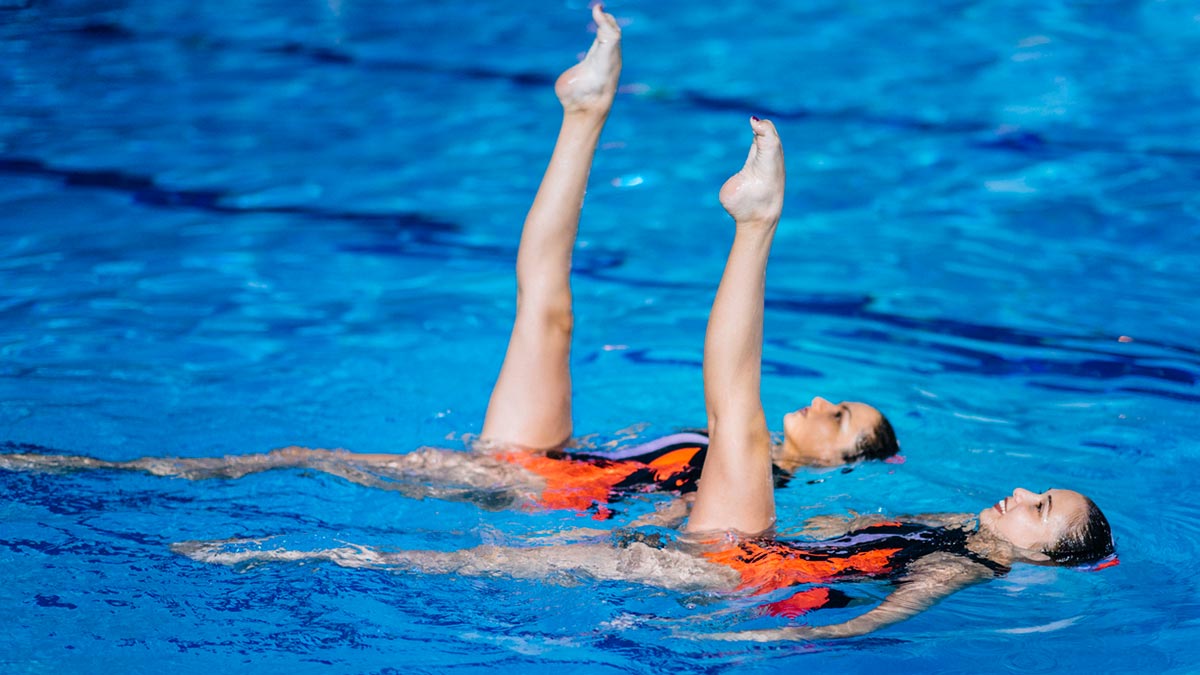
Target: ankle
(588, 116)
(757, 224)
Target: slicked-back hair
(879, 444)
(1088, 542)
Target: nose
(1022, 494)
(819, 404)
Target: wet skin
(821, 433)
(1034, 522)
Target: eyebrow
(1049, 503)
(849, 414)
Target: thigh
(531, 402)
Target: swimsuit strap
(643, 451)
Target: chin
(986, 516)
(793, 435)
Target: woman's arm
(670, 514)
(736, 489)
(930, 579)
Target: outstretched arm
(932, 578)
(736, 488)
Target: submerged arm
(670, 514)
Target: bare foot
(589, 86)
(754, 195)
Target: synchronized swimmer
(495, 476)
(725, 543)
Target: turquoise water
(232, 228)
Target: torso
(881, 551)
(583, 481)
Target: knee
(550, 317)
(561, 320)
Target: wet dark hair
(1087, 543)
(879, 444)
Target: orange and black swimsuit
(581, 481)
(881, 551)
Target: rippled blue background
(229, 227)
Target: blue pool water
(230, 227)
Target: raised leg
(531, 401)
(736, 489)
